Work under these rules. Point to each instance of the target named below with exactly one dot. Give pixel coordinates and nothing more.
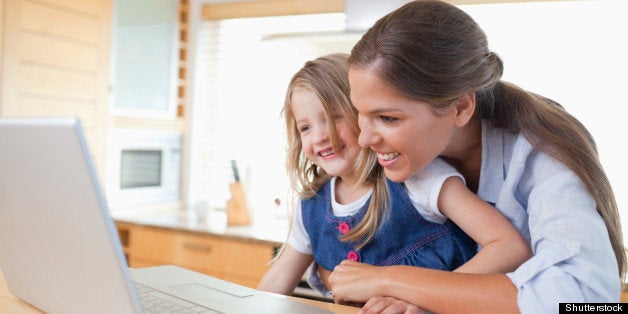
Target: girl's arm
(286, 271)
(503, 248)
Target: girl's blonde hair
(327, 77)
(433, 51)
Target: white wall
(576, 53)
(571, 51)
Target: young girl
(348, 210)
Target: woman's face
(311, 123)
(405, 134)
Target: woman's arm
(503, 247)
(434, 290)
(573, 262)
(286, 272)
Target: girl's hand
(354, 282)
(389, 305)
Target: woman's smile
(386, 159)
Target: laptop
(59, 248)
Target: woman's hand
(354, 282)
(389, 305)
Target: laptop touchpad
(199, 289)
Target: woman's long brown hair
(432, 51)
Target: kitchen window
(243, 69)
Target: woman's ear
(465, 107)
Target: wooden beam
(260, 8)
(464, 2)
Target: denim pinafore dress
(404, 237)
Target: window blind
(241, 82)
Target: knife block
(237, 209)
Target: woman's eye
(304, 128)
(387, 119)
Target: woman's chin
(396, 176)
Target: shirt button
(344, 228)
(572, 246)
(353, 255)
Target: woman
(426, 85)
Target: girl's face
(405, 134)
(311, 123)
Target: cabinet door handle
(197, 247)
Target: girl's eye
(304, 128)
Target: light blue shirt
(573, 259)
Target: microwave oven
(142, 167)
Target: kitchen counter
(187, 221)
(169, 236)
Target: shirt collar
(492, 172)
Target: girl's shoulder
(424, 188)
(436, 170)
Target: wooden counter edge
(13, 305)
(336, 308)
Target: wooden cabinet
(242, 261)
(55, 62)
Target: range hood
(360, 16)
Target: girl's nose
(322, 135)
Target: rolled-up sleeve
(573, 259)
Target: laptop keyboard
(154, 301)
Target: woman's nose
(367, 137)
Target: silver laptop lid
(49, 194)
